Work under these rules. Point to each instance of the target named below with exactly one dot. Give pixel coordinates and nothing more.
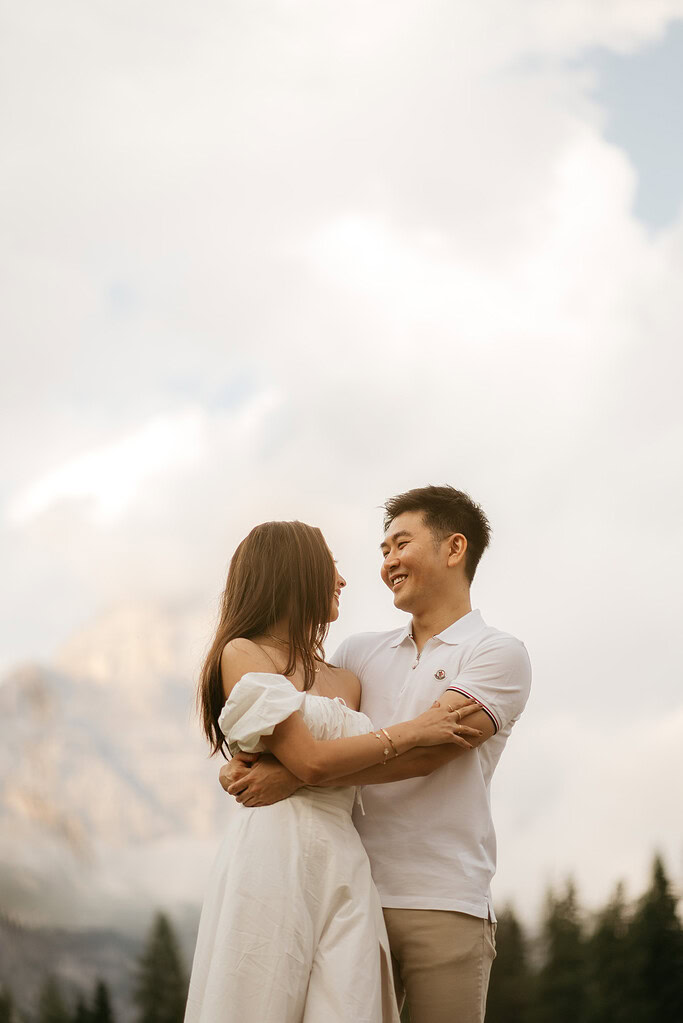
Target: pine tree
(101, 1011)
(161, 988)
(656, 953)
(52, 1007)
(609, 966)
(509, 994)
(560, 987)
(82, 1013)
(6, 1005)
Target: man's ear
(457, 548)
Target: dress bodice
(331, 718)
(260, 701)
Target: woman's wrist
(385, 747)
(391, 744)
(389, 740)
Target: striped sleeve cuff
(471, 696)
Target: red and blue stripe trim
(471, 696)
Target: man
(429, 836)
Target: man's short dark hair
(445, 510)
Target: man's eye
(402, 544)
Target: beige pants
(442, 961)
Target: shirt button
(415, 665)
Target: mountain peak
(139, 645)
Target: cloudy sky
(275, 260)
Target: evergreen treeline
(160, 989)
(6, 1006)
(624, 966)
(53, 1006)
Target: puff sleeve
(257, 704)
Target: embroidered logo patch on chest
(440, 674)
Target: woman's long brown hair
(280, 569)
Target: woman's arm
(316, 761)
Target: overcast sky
(276, 260)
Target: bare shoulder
(349, 686)
(240, 656)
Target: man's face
(414, 566)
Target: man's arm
(258, 779)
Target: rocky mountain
(109, 804)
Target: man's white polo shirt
(431, 840)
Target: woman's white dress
(291, 928)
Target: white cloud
(415, 242)
(108, 478)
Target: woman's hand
(442, 723)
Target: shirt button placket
(406, 680)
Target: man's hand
(236, 768)
(257, 780)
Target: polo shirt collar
(458, 632)
(463, 629)
(405, 633)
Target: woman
(292, 929)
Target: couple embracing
(357, 872)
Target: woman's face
(339, 584)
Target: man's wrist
(273, 764)
(295, 782)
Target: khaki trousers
(442, 962)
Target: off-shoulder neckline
(303, 692)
